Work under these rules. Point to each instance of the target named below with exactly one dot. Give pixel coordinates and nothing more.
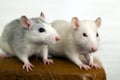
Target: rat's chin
(50, 42)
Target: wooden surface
(62, 69)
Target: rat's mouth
(84, 50)
(92, 52)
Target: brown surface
(11, 69)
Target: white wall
(108, 10)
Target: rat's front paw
(84, 66)
(28, 66)
(96, 66)
(48, 61)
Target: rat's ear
(75, 23)
(25, 22)
(98, 21)
(42, 16)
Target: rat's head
(85, 34)
(38, 30)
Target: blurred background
(108, 10)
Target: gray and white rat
(24, 37)
(77, 38)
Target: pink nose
(57, 38)
(94, 48)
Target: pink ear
(98, 21)
(25, 22)
(75, 23)
(42, 16)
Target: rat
(25, 37)
(78, 38)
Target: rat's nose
(57, 38)
(94, 48)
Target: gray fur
(14, 35)
(18, 41)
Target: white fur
(4, 46)
(66, 47)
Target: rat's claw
(28, 66)
(83, 66)
(96, 66)
(48, 61)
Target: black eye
(85, 35)
(41, 30)
(97, 34)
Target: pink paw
(48, 61)
(96, 66)
(4, 56)
(84, 66)
(28, 66)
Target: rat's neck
(80, 48)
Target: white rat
(24, 37)
(77, 38)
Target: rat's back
(61, 26)
(10, 35)
(64, 29)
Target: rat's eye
(41, 30)
(97, 34)
(85, 35)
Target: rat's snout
(94, 48)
